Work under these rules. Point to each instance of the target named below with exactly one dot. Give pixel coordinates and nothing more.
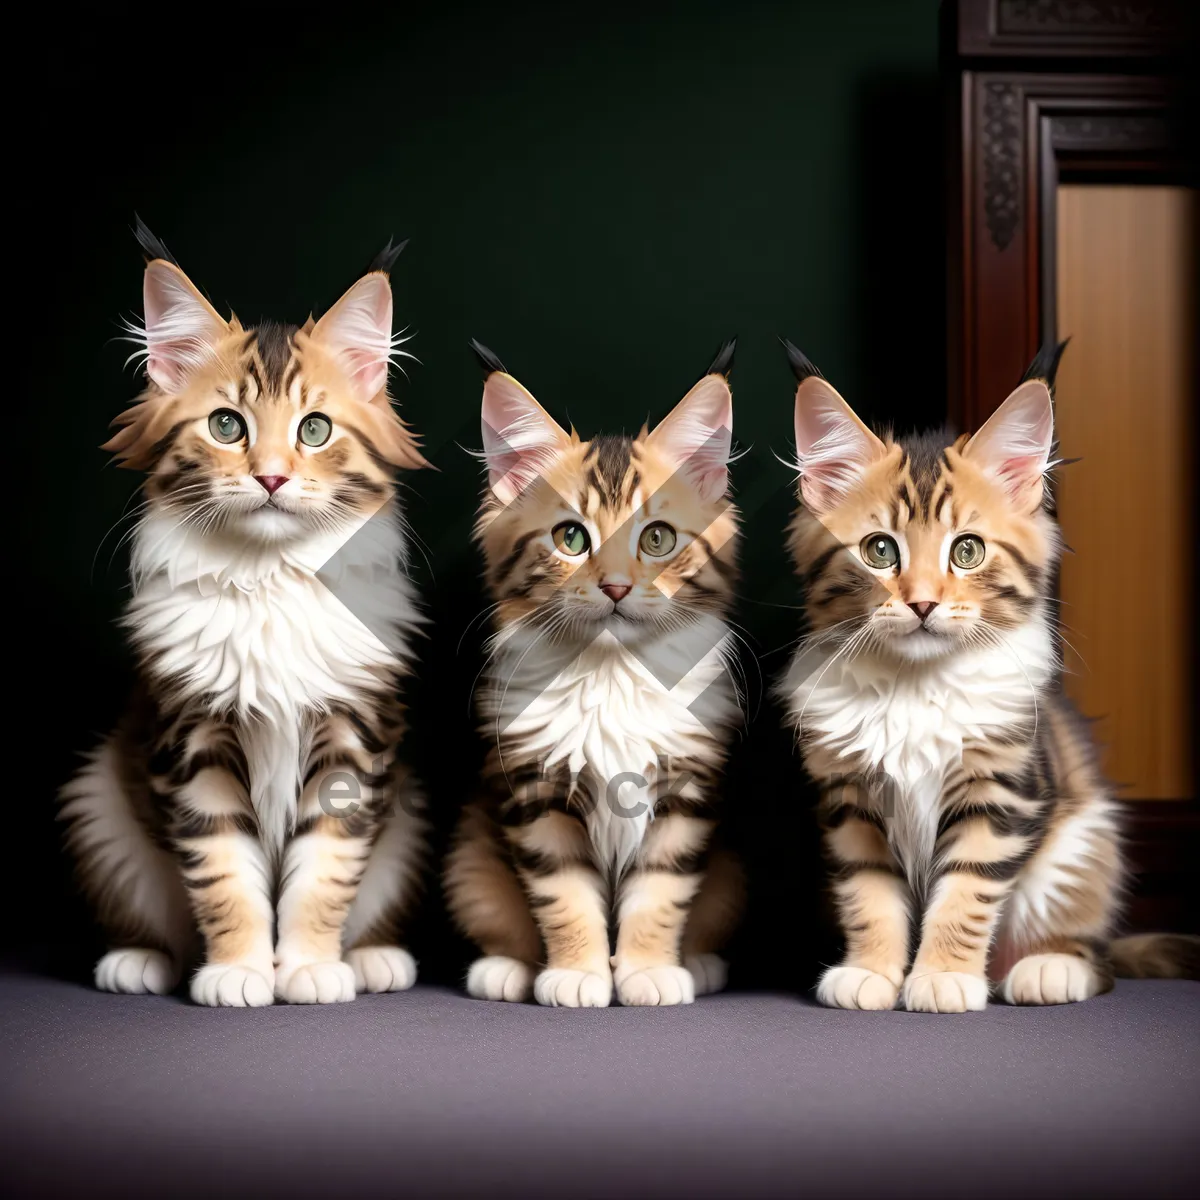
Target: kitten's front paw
(857, 987)
(945, 992)
(137, 972)
(708, 971)
(655, 986)
(1051, 979)
(232, 985)
(562, 987)
(314, 983)
(497, 977)
(382, 968)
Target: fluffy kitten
(252, 795)
(962, 804)
(608, 701)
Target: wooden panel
(1125, 297)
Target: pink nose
(272, 482)
(616, 592)
(922, 607)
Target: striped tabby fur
(967, 823)
(199, 826)
(607, 700)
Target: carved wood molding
(1067, 29)
(1000, 145)
(1111, 133)
(1069, 18)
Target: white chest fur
(270, 635)
(616, 715)
(907, 723)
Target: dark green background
(601, 196)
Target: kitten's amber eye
(571, 538)
(226, 426)
(880, 551)
(658, 539)
(967, 551)
(316, 429)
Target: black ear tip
(385, 260)
(152, 247)
(722, 364)
(802, 366)
(1045, 363)
(487, 361)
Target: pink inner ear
(698, 434)
(181, 328)
(358, 329)
(519, 436)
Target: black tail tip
(385, 260)
(802, 366)
(722, 364)
(1045, 363)
(487, 361)
(152, 247)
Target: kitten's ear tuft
(519, 436)
(357, 331)
(697, 434)
(152, 247)
(802, 367)
(1045, 364)
(833, 447)
(723, 363)
(181, 328)
(487, 361)
(1015, 443)
(385, 260)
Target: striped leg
(225, 869)
(131, 878)
(874, 906)
(324, 862)
(491, 907)
(655, 900)
(976, 860)
(570, 905)
(371, 936)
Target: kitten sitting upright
(252, 794)
(962, 803)
(608, 702)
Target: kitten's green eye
(967, 551)
(226, 426)
(658, 539)
(316, 429)
(571, 538)
(879, 550)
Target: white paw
(945, 992)
(137, 972)
(495, 977)
(562, 987)
(314, 983)
(232, 985)
(1051, 979)
(708, 971)
(655, 986)
(382, 968)
(857, 987)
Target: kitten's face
(269, 434)
(632, 535)
(920, 546)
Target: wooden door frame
(1039, 92)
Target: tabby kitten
(608, 701)
(250, 806)
(962, 804)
